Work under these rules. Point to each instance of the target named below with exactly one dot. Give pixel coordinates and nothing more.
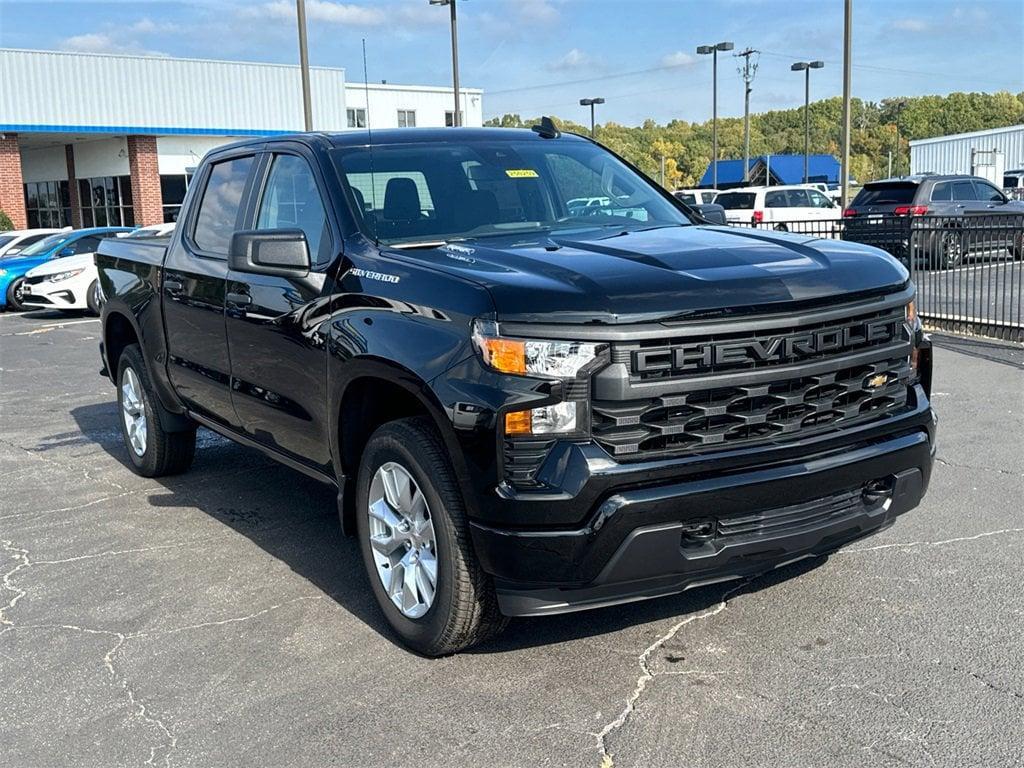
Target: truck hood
(53, 266)
(662, 273)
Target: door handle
(238, 299)
(174, 286)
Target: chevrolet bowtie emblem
(879, 380)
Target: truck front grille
(717, 392)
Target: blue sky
(542, 56)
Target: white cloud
(574, 59)
(678, 59)
(537, 11)
(102, 42)
(911, 25)
(323, 11)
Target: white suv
(789, 208)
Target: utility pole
(747, 72)
(663, 170)
(456, 118)
(307, 103)
(847, 68)
(703, 50)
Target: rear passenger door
(194, 279)
(278, 357)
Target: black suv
(883, 215)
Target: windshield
(45, 244)
(440, 192)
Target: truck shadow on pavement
(293, 518)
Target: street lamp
(806, 67)
(456, 118)
(590, 103)
(307, 101)
(713, 50)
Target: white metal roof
(104, 93)
(970, 135)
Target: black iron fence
(969, 270)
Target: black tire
(92, 298)
(14, 294)
(781, 228)
(165, 453)
(464, 610)
(950, 249)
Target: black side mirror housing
(712, 212)
(280, 252)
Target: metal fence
(969, 270)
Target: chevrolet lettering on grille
(781, 348)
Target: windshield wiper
(415, 246)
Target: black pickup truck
(527, 407)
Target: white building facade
(981, 153)
(93, 140)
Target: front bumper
(647, 541)
(52, 296)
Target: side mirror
(280, 252)
(712, 212)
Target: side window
(818, 200)
(291, 201)
(988, 193)
(218, 209)
(85, 245)
(963, 190)
(799, 198)
(942, 192)
(775, 199)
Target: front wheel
(94, 298)
(16, 295)
(414, 536)
(153, 451)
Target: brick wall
(12, 188)
(146, 198)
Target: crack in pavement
(1007, 472)
(941, 543)
(647, 674)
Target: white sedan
(72, 283)
(17, 240)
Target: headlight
(57, 277)
(528, 357)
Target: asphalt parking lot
(219, 618)
(990, 290)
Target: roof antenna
(369, 146)
(546, 129)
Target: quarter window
(775, 200)
(942, 192)
(222, 199)
(291, 201)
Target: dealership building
(93, 140)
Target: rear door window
(732, 201)
(964, 190)
(776, 199)
(221, 204)
(798, 198)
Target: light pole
(713, 50)
(456, 118)
(847, 64)
(806, 67)
(590, 103)
(307, 104)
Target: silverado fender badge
(382, 277)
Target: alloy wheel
(402, 539)
(133, 410)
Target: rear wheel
(16, 294)
(950, 250)
(781, 228)
(153, 451)
(414, 537)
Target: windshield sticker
(521, 173)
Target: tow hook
(696, 531)
(877, 491)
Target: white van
(786, 208)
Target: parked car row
(54, 268)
